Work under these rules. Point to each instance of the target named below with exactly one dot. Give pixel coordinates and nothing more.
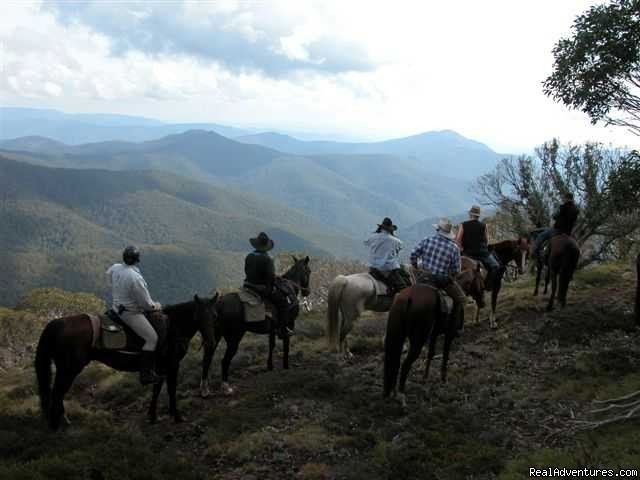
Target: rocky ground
(515, 399)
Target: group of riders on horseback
(437, 258)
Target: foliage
(54, 302)
(624, 183)
(525, 190)
(597, 68)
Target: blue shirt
(383, 251)
(437, 254)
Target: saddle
(111, 333)
(255, 307)
(446, 302)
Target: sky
(367, 70)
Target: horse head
(300, 274)
(205, 316)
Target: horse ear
(306, 260)
(478, 267)
(295, 260)
(215, 297)
(196, 298)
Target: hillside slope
(514, 400)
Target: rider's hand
(158, 306)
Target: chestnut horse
(416, 314)
(68, 343)
(506, 252)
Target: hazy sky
(367, 69)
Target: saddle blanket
(255, 309)
(380, 287)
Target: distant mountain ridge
(346, 192)
(444, 150)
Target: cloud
(269, 37)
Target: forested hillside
(63, 227)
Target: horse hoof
(205, 391)
(227, 389)
(402, 398)
(66, 420)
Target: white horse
(349, 296)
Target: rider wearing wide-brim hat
(438, 257)
(384, 261)
(260, 277)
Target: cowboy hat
(444, 228)
(262, 242)
(474, 211)
(387, 225)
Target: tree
(527, 190)
(597, 68)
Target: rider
(473, 240)
(261, 278)
(564, 219)
(439, 257)
(384, 248)
(131, 299)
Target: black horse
(68, 343)
(231, 324)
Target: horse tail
(567, 268)
(638, 290)
(394, 338)
(44, 357)
(334, 299)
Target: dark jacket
(260, 270)
(565, 217)
(474, 238)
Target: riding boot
(147, 368)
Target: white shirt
(384, 251)
(129, 288)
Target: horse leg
(172, 385)
(546, 279)
(272, 345)
(433, 340)
(538, 275)
(415, 347)
(232, 348)
(554, 286)
(476, 318)
(209, 351)
(65, 375)
(152, 413)
(285, 352)
(494, 301)
(449, 335)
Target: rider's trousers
(139, 324)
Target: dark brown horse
(638, 289)
(231, 325)
(416, 315)
(564, 254)
(67, 342)
(506, 252)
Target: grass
(512, 396)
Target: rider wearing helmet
(131, 299)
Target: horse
(638, 289)
(564, 254)
(416, 314)
(506, 252)
(349, 296)
(231, 325)
(68, 343)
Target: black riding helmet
(131, 255)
